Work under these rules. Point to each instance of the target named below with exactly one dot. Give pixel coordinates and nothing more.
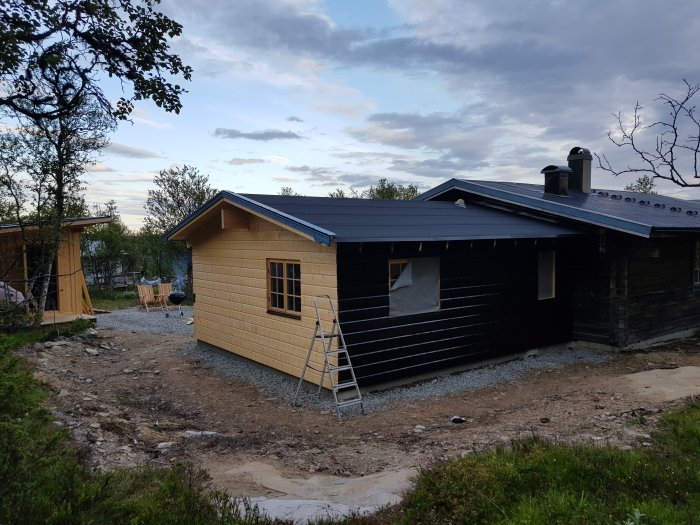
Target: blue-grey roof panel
(633, 212)
(362, 220)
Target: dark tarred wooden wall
(488, 297)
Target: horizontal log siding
(230, 283)
(660, 298)
(489, 307)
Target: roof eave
(552, 208)
(318, 234)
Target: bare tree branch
(673, 156)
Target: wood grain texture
(230, 283)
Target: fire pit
(177, 299)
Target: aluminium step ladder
(346, 392)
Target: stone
(165, 445)
(95, 425)
(127, 370)
(91, 332)
(457, 419)
(200, 433)
(544, 420)
(91, 351)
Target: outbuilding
(68, 296)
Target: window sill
(284, 314)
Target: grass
(533, 482)
(536, 482)
(42, 481)
(113, 299)
(107, 299)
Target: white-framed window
(546, 275)
(284, 287)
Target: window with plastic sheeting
(414, 286)
(546, 279)
(284, 287)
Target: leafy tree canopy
(644, 184)
(384, 190)
(72, 41)
(180, 191)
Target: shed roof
(68, 223)
(362, 220)
(632, 212)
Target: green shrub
(539, 482)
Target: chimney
(579, 160)
(556, 180)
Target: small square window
(696, 266)
(546, 278)
(284, 287)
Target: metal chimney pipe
(556, 180)
(579, 160)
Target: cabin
(471, 271)
(636, 272)
(68, 295)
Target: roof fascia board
(305, 229)
(633, 228)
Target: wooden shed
(68, 295)
(420, 286)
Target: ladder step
(339, 351)
(343, 386)
(349, 402)
(326, 336)
(341, 368)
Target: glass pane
(294, 304)
(293, 271)
(277, 300)
(276, 269)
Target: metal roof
(328, 219)
(631, 212)
(364, 220)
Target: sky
(324, 94)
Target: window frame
(695, 275)
(552, 277)
(285, 310)
(394, 262)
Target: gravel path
(153, 322)
(282, 386)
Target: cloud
(286, 180)
(294, 119)
(98, 168)
(240, 162)
(131, 152)
(264, 135)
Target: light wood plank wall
(230, 283)
(70, 299)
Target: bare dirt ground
(133, 399)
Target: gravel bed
(153, 322)
(282, 386)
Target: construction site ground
(134, 398)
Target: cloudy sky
(317, 95)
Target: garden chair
(164, 290)
(146, 295)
